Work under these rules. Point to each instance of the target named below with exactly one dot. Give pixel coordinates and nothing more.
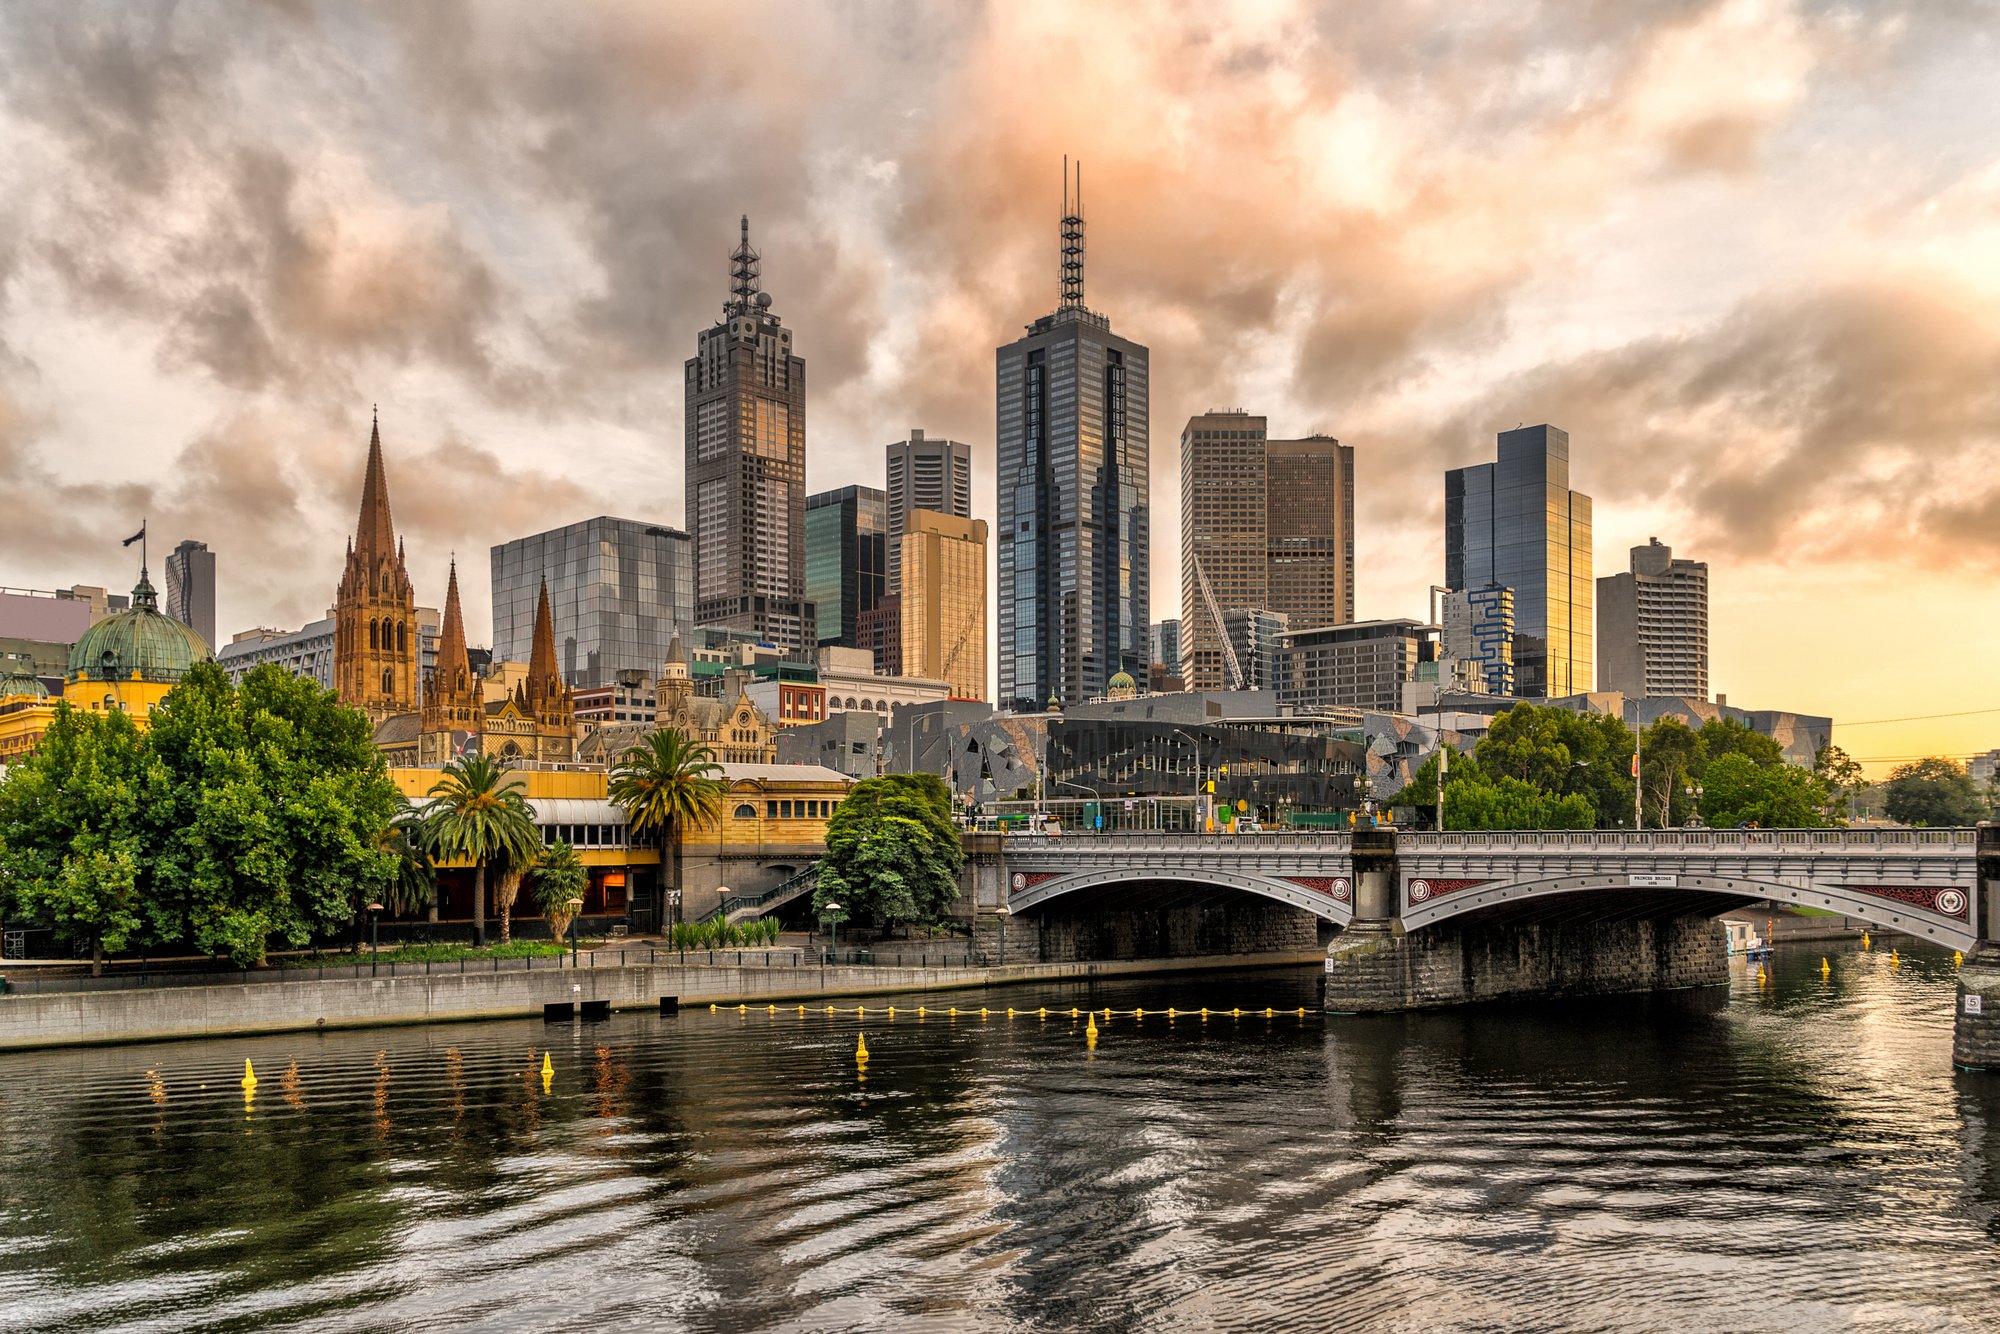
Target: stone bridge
(1420, 919)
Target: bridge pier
(1975, 1031)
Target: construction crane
(1222, 631)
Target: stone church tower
(452, 700)
(375, 642)
(543, 696)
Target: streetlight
(374, 936)
(575, 907)
(1200, 796)
(1005, 913)
(832, 914)
(1694, 798)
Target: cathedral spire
(375, 534)
(544, 680)
(454, 665)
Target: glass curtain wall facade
(1224, 518)
(1516, 522)
(1073, 541)
(925, 474)
(618, 590)
(191, 588)
(846, 560)
(943, 602)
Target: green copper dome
(141, 642)
(22, 683)
(1123, 681)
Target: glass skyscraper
(1071, 429)
(925, 474)
(1515, 522)
(618, 589)
(847, 534)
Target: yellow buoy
(1864, 940)
(920, 1012)
(829, 1009)
(1957, 958)
(892, 1012)
(742, 1009)
(1268, 1012)
(860, 1009)
(1302, 1012)
(1010, 1012)
(1236, 1013)
(773, 1009)
(802, 1009)
(1825, 968)
(1139, 1013)
(249, 1074)
(1894, 960)
(1042, 1013)
(712, 1009)
(1171, 1012)
(1090, 1030)
(861, 1050)
(1204, 1012)
(548, 1067)
(1760, 974)
(1072, 1012)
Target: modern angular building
(943, 602)
(924, 474)
(1479, 632)
(746, 468)
(191, 588)
(1516, 523)
(1071, 429)
(619, 589)
(1257, 636)
(1166, 643)
(1265, 524)
(1652, 626)
(847, 569)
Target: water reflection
(1792, 1151)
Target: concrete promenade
(148, 1015)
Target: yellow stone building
(943, 601)
(733, 728)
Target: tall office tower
(375, 640)
(1166, 643)
(1516, 523)
(1479, 632)
(618, 588)
(1225, 561)
(191, 588)
(934, 475)
(1265, 524)
(1256, 635)
(746, 467)
(1652, 626)
(943, 602)
(847, 544)
(1072, 470)
(1309, 490)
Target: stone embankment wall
(1383, 970)
(1243, 926)
(1975, 1033)
(139, 1015)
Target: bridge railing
(1155, 841)
(1616, 839)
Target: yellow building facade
(943, 607)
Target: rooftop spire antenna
(744, 269)
(1072, 240)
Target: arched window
(402, 638)
(746, 812)
(388, 680)
(374, 635)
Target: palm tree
(478, 813)
(664, 782)
(559, 877)
(407, 839)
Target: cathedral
(376, 649)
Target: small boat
(1745, 942)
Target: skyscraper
(1071, 429)
(847, 538)
(191, 588)
(934, 475)
(1652, 626)
(943, 602)
(746, 467)
(1265, 525)
(1515, 522)
(619, 589)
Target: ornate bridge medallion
(1938, 899)
(1029, 879)
(1333, 886)
(1423, 891)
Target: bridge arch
(1425, 906)
(1323, 904)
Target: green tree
(273, 827)
(1726, 736)
(1563, 752)
(1671, 756)
(1934, 791)
(559, 876)
(1483, 801)
(413, 881)
(1736, 790)
(892, 853)
(478, 814)
(664, 784)
(74, 829)
(1843, 776)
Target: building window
(746, 812)
(770, 810)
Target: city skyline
(1761, 387)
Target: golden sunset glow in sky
(1747, 254)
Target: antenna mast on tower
(1072, 240)
(744, 268)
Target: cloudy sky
(1747, 254)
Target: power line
(1919, 718)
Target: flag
(136, 537)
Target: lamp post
(1005, 913)
(1201, 798)
(575, 907)
(832, 911)
(374, 936)
(1694, 799)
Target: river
(1792, 1154)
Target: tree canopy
(892, 853)
(1934, 791)
(244, 815)
(479, 813)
